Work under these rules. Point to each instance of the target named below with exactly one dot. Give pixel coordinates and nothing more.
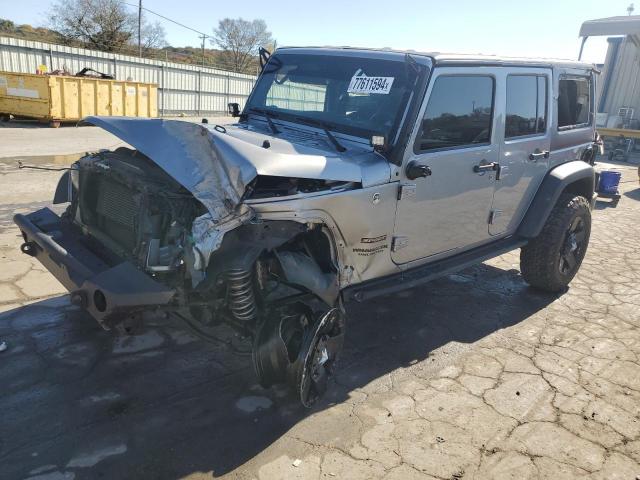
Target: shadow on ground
(633, 194)
(165, 405)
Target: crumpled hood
(216, 165)
(191, 155)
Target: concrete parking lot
(472, 376)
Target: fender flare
(63, 190)
(575, 176)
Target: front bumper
(107, 289)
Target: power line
(166, 18)
(201, 35)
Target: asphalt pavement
(474, 375)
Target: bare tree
(104, 24)
(153, 35)
(240, 40)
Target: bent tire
(551, 260)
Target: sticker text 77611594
(361, 83)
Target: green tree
(6, 25)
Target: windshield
(354, 95)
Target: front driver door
(449, 209)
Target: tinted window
(573, 102)
(526, 105)
(459, 112)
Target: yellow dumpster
(57, 98)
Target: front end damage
(165, 226)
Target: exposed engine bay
(272, 281)
(135, 209)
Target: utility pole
(140, 28)
(203, 37)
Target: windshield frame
(421, 65)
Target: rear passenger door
(524, 150)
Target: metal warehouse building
(618, 103)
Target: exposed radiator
(110, 210)
(115, 202)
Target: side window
(574, 102)
(459, 112)
(526, 105)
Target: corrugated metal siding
(295, 96)
(182, 88)
(624, 82)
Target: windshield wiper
(268, 115)
(325, 127)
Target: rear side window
(526, 105)
(574, 101)
(459, 112)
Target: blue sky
(547, 28)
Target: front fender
(64, 189)
(576, 177)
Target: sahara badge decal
(380, 238)
(366, 252)
(369, 249)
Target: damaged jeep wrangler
(350, 173)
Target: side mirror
(233, 109)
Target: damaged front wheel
(301, 348)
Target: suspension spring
(241, 298)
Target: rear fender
(576, 177)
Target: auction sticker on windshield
(361, 83)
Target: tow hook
(28, 248)
(78, 299)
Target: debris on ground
(297, 462)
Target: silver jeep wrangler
(349, 174)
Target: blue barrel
(609, 181)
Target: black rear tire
(551, 260)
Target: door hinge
(398, 243)
(493, 216)
(406, 190)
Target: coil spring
(241, 298)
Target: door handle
(538, 154)
(415, 170)
(488, 167)
(484, 167)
